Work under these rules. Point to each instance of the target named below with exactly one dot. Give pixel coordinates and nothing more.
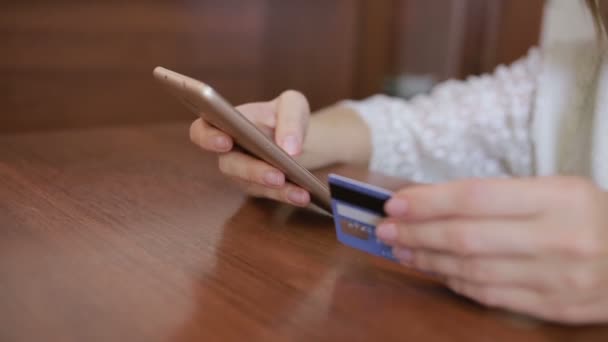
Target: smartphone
(204, 101)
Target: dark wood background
(455, 38)
(69, 63)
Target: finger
(587, 313)
(248, 168)
(288, 193)
(466, 237)
(470, 198)
(292, 120)
(260, 113)
(497, 271)
(209, 138)
(511, 298)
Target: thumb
(293, 113)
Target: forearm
(336, 134)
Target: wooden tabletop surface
(130, 234)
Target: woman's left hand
(537, 246)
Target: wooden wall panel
(513, 29)
(457, 38)
(83, 63)
(375, 51)
(310, 46)
(430, 36)
(70, 63)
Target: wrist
(337, 134)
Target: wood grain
(75, 64)
(88, 63)
(130, 234)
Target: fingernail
(387, 232)
(221, 143)
(298, 196)
(403, 254)
(291, 144)
(273, 178)
(396, 207)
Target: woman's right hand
(286, 118)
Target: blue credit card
(357, 208)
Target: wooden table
(130, 234)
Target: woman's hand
(287, 118)
(536, 246)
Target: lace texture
(479, 127)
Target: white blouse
(544, 114)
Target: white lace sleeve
(474, 128)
